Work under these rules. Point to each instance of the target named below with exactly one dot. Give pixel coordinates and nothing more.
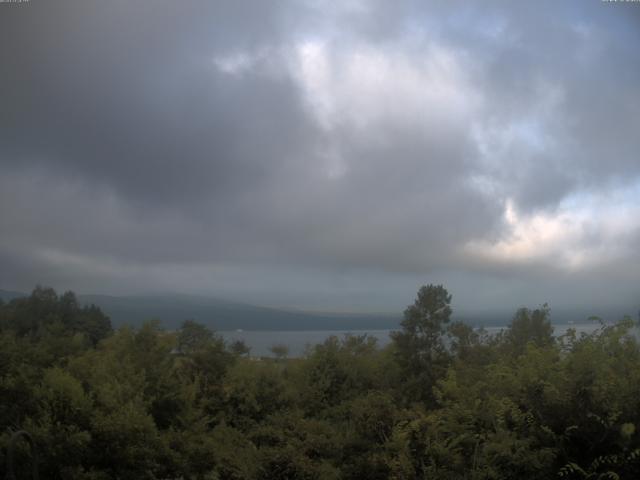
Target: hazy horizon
(228, 314)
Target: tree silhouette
(420, 349)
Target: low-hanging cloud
(274, 147)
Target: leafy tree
(34, 316)
(280, 351)
(94, 324)
(530, 326)
(240, 348)
(340, 370)
(193, 336)
(420, 349)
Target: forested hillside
(441, 401)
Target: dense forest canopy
(441, 401)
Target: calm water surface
(260, 342)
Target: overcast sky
(323, 155)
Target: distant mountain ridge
(217, 314)
(8, 295)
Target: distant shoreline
(260, 341)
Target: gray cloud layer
(313, 152)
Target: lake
(297, 340)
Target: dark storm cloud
(129, 96)
(203, 142)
